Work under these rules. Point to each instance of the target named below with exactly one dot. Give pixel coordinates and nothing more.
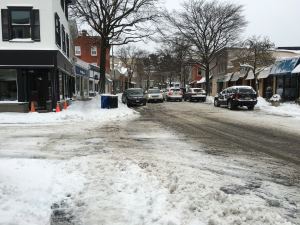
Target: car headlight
(160, 95)
(149, 96)
(129, 97)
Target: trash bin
(269, 95)
(104, 102)
(113, 101)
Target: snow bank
(28, 188)
(285, 109)
(78, 111)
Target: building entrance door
(36, 81)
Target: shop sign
(81, 71)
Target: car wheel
(216, 103)
(230, 105)
(144, 103)
(250, 107)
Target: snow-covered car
(154, 95)
(236, 96)
(174, 94)
(134, 96)
(193, 94)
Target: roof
(284, 66)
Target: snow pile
(285, 109)
(78, 111)
(209, 99)
(29, 187)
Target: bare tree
(128, 55)
(122, 20)
(255, 53)
(209, 27)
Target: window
(62, 4)
(68, 45)
(57, 30)
(8, 85)
(94, 51)
(77, 50)
(20, 23)
(66, 10)
(63, 36)
(199, 71)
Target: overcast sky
(277, 19)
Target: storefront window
(86, 87)
(49, 87)
(8, 85)
(78, 89)
(91, 86)
(279, 85)
(61, 86)
(290, 86)
(66, 86)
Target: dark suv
(134, 96)
(236, 96)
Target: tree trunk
(207, 81)
(102, 69)
(256, 85)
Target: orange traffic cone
(65, 105)
(32, 108)
(57, 107)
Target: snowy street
(149, 165)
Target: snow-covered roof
(203, 80)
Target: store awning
(297, 69)
(203, 80)
(227, 77)
(235, 77)
(284, 66)
(265, 73)
(132, 82)
(250, 75)
(109, 80)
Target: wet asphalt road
(225, 132)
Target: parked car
(236, 96)
(134, 96)
(165, 93)
(174, 94)
(154, 95)
(193, 94)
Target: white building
(35, 61)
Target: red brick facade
(86, 44)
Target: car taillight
(193, 93)
(236, 96)
(180, 93)
(170, 93)
(204, 93)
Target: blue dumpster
(104, 101)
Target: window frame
(67, 45)
(199, 69)
(66, 10)
(79, 50)
(57, 30)
(63, 35)
(95, 49)
(24, 9)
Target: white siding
(47, 8)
